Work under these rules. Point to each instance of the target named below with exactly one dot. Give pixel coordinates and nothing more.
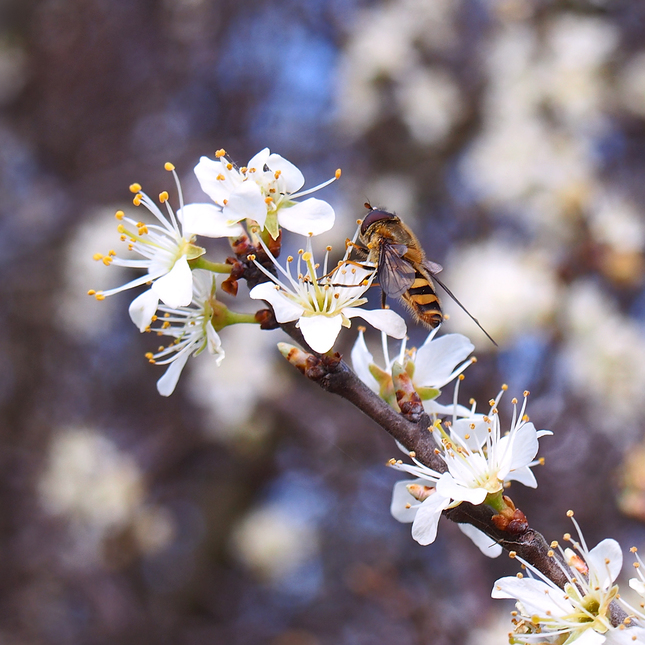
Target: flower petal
(384, 319)
(285, 310)
(214, 344)
(485, 544)
(176, 287)
(245, 202)
(404, 506)
(606, 559)
(437, 358)
(519, 449)
(424, 527)
(143, 308)
(207, 172)
(312, 216)
(290, 174)
(523, 475)
(320, 332)
(207, 220)
(431, 406)
(449, 487)
(259, 160)
(536, 596)
(168, 382)
(361, 360)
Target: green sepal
(428, 393)
(193, 251)
(271, 224)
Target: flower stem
(233, 318)
(496, 500)
(215, 267)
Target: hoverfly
(402, 268)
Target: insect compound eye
(375, 216)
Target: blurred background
(251, 507)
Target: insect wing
(432, 267)
(395, 275)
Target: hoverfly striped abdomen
(423, 300)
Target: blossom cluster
(250, 206)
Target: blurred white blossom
(509, 289)
(273, 542)
(604, 356)
(229, 396)
(387, 42)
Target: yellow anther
(123, 238)
(148, 355)
(526, 393)
(107, 261)
(567, 537)
(512, 554)
(119, 215)
(268, 200)
(337, 173)
(250, 257)
(491, 402)
(99, 296)
(473, 359)
(163, 196)
(328, 248)
(461, 377)
(220, 153)
(142, 230)
(244, 169)
(111, 252)
(514, 401)
(504, 387)
(97, 256)
(550, 553)
(221, 177)
(91, 292)
(137, 199)
(135, 188)
(554, 544)
(569, 513)
(225, 201)
(168, 166)
(290, 258)
(277, 174)
(229, 166)
(633, 549)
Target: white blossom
(479, 460)
(323, 303)
(580, 611)
(166, 247)
(435, 364)
(265, 192)
(190, 328)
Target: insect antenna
(452, 295)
